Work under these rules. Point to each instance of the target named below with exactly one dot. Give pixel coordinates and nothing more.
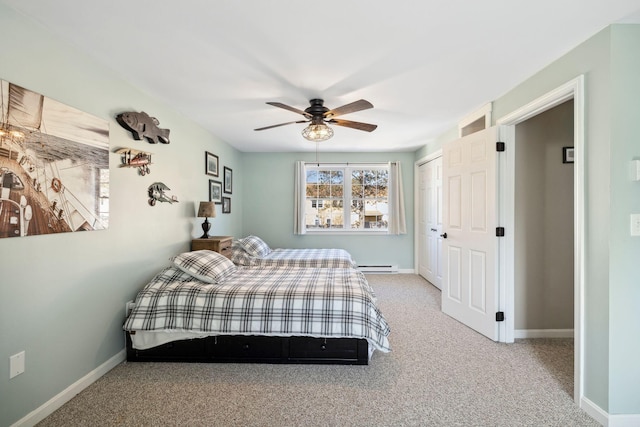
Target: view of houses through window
(346, 197)
(103, 195)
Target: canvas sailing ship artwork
(54, 166)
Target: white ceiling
(423, 64)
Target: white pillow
(207, 266)
(255, 246)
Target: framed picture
(215, 191)
(211, 164)
(53, 159)
(226, 205)
(567, 154)
(228, 176)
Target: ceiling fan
(318, 116)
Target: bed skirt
(256, 349)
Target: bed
(254, 252)
(204, 308)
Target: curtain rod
(349, 163)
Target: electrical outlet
(635, 224)
(16, 364)
(128, 306)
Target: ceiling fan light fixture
(317, 132)
(317, 115)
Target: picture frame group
(219, 187)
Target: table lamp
(206, 210)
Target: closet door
(430, 221)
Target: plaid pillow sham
(205, 265)
(255, 246)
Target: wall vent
(378, 268)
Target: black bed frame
(256, 349)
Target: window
(476, 121)
(346, 197)
(103, 196)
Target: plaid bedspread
(316, 302)
(306, 258)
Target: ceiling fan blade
(287, 107)
(282, 124)
(351, 124)
(349, 108)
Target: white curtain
(397, 221)
(299, 199)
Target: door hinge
(500, 316)
(500, 146)
(500, 231)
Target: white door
(430, 221)
(470, 279)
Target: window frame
(347, 196)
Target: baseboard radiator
(378, 268)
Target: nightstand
(220, 244)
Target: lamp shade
(207, 210)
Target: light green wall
(610, 63)
(436, 144)
(62, 296)
(624, 250)
(268, 207)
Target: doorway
(544, 228)
(572, 90)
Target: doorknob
(444, 236)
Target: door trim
(416, 189)
(573, 89)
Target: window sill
(347, 233)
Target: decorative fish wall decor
(142, 125)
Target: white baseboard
(594, 411)
(543, 333)
(624, 420)
(607, 420)
(70, 392)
